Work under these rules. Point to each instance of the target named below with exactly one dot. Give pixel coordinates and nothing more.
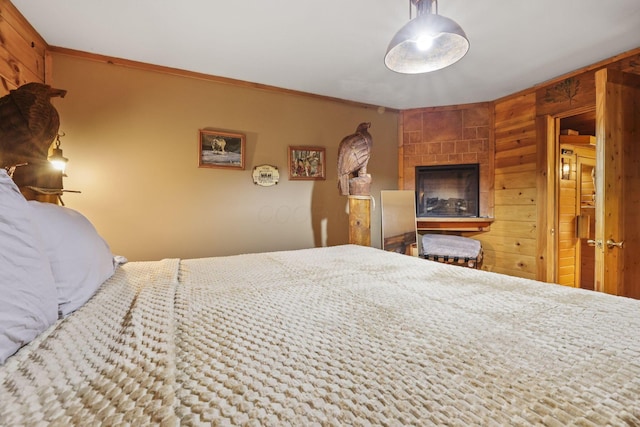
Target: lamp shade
(427, 43)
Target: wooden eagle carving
(353, 155)
(28, 123)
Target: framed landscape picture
(219, 149)
(307, 163)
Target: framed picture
(221, 149)
(307, 163)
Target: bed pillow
(80, 259)
(27, 289)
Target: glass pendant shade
(408, 53)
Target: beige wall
(131, 139)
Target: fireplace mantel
(453, 224)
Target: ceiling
(336, 48)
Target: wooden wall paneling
(572, 92)
(524, 146)
(509, 247)
(26, 51)
(524, 230)
(628, 63)
(515, 179)
(22, 50)
(9, 12)
(516, 157)
(547, 198)
(401, 153)
(510, 244)
(13, 75)
(527, 167)
(565, 95)
(511, 264)
(489, 196)
(520, 213)
(513, 110)
(48, 68)
(568, 94)
(516, 196)
(577, 89)
(514, 138)
(567, 240)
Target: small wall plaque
(265, 175)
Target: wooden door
(618, 183)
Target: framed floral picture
(307, 163)
(219, 149)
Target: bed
(344, 335)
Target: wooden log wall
(22, 50)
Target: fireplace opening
(448, 190)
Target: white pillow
(27, 290)
(80, 259)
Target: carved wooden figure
(353, 155)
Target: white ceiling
(336, 47)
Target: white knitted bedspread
(335, 336)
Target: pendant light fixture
(429, 42)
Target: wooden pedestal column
(360, 220)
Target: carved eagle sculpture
(353, 155)
(28, 123)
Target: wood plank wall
(515, 243)
(22, 50)
(510, 245)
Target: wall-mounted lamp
(56, 158)
(565, 165)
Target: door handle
(592, 242)
(612, 243)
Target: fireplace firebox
(448, 191)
